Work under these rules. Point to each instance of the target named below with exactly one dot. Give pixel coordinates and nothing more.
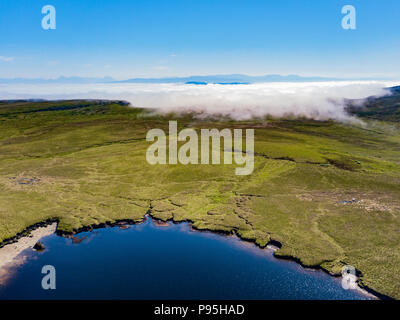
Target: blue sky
(156, 38)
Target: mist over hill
(385, 108)
(313, 100)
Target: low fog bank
(317, 100)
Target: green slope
(83, 163)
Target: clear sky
(157, 38)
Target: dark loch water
(152, 262)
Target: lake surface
(152, 262)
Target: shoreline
(11, 253)
(16, 245)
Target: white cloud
(6, 59)
(318, 100)
(161, 68)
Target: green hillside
(328, 192)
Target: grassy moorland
(328, 192)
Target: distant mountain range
(200, 80)
(58, 80)
(228, 79)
